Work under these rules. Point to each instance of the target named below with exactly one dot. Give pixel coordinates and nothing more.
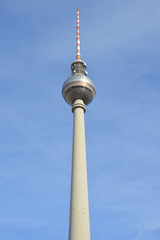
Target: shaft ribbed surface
(79, 211)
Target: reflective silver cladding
(78, 86)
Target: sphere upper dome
(78, 86)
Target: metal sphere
(78, 86)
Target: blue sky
(120, 44)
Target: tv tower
(78, 91)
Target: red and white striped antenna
(78, 56)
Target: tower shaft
(79, 228)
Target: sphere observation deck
(78, 85)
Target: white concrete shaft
(79, 228)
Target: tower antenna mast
(78, 56)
